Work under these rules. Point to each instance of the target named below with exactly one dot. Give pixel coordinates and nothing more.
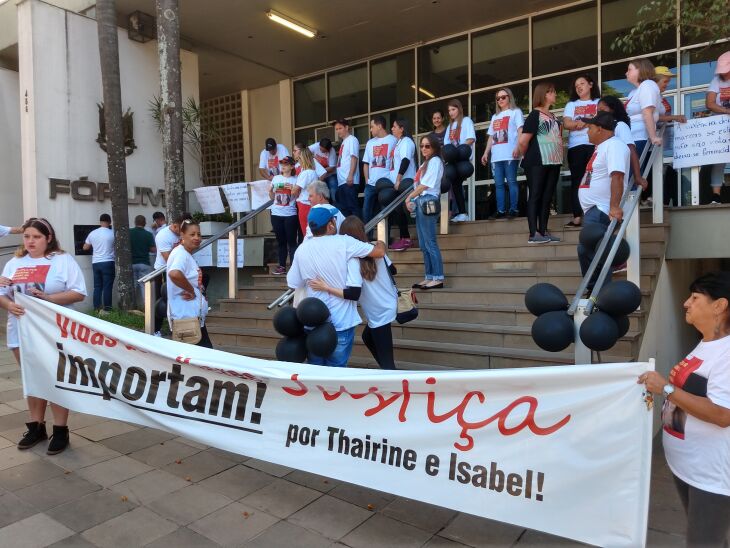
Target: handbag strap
(390, 275)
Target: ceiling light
(291, 24)
(425, 92)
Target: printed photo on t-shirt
(725, 97)
(454, 134)
(500, 127)
(585, 111)
(380, 155)
(273, 164)
(323, 160)
(586, 182)
(339, 155)
(31, 277)
(682, 376)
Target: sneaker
(619, 268)
(500, 215)
(513, 213)
(396, 245)
(157, 334)
(279, 270)
(649, 201)
(59, 440)
(462, 217)
(551, 237)
(401, 245)
(36, 433)
(103, 313)
(716, 200)
(538, 239)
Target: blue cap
(319, 217)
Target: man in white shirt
(270, 157)
(602, 186)
(5, 230)
(158, 222)
(326, 156)
(101, 241)
(348, 175)
(376, 163)
(325, 257)
(319, 196)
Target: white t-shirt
(326, 257)
(165, 241)
(595, 188)
(503, 131)
(722, 88)
(304, 178)
(431, 176)
(404, 148)
(284, 205)
(101, 241)
(157, 229)
(325, 159)
(697, 451)
(623, 132)
(579, 110)
(458, 136)
(379, 297)
(53, 274)
(379, 157)
(350, 147)
(177, 307)
(339, 218)
(4, 230)
(318, 169)
(270, 162)
(646, 95)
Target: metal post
(444, 214)
(582, 352)
(695, 181)
(232, 264)
(633, 265)
(149, 307)
(657, 183)
(383, 230)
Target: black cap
(287, 160)
(271, 144)
(602, 119)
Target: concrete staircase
(479, 320)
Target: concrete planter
(208, 228)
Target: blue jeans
(341, 355)
(371, 200)
(347, 200)
(506, 169)
(585, 255)
(426, 228)
(332, 185)
(103, 284)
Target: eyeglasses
(426, 145)
(502, 97)
(186, 222)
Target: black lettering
(140, 385)
(200, 394)
(155, 381)
(409, 459)
(109, 387)
(432, 465)
(514, 485)
(479, 478)
(229, 390)
(496, 478)
(175, 377)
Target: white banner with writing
(702, 141)
(237, 196)
(564, 449)
(209, 198)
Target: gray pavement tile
(104, 430)
(11, 456)
(287, 535)
(234, 524)
(183, 538)
(281, 498)
(11, 395)
(237, 482)
(27, 474)
(76, 541)
(476, 531)
(56, 491)
(75, 457)
(441, 542)
(114, 470)
(538, 538)
(82, 420)
(660, 539)
(13, 509)
(313, 481)
(269, 467)
(380, 530)
(164, 453)
(188, 504)
(4, 442)
(331, 517)
(148, 487)
(136, 440)
(235, 457)
(91, 510)
(6, 409)
(192, 443)
(362, 496)
(20, 405)
(135, 528)
(419, 514)
(13, 421)
(199, 466)
(9, 385)
(35, 531)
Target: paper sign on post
(210, 199)
(222, 253)
(259, 193)
(204, 257)
(702, 141)
(237, 196)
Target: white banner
(564, 449)
(209, 198)
(204, 257)
(702, 141)
(259, 193)
(237, 196)
(222, 253)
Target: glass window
(695, 106)
(564, 40)
(442, 68)
(408, 113)
(481, 173)
(483, 104)
(392, 81)
(500, 55)
(305, 136)
(348, 92)
(564, 86)
(698, 65)
(617, 18)
(309, 105)
(425, 112)
(614, 76)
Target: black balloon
(619, 298)
(622, 253)
(622, 322)
(163, 292)
(449, 154)
(322, 340)
(292, 349)
(161, 308)
(386, 195)
(445, 185)
(544, 297)
(286, 322)
(553, 331)
(405, 184)
(599, 331)
(382, 183)
(464, 168)
(451, 174)
(464, 151)
(591, 234)
(312, 312)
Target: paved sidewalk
(120, 485)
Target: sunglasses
(426, 146)
(502, 97)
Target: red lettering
(83, 333)
(301, 391)
(62, 323)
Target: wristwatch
(668, 390)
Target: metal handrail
(287, 295)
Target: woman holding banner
(696, 414)
(42, 270)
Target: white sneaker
(157, 334)
(462, 217)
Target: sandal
(572, 224)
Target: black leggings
(379, 341)
(708, 516)
(285, 229)
(578, 158)
(400, 217)
(541, 182)
(459, 197)
(205, 339)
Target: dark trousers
(708, 516)
(159, 317)
(400, 217)
(285, 229)
(103, 284)
(379, 341)
(347, 201)
(585, 255)
(541, 182)
(578, 158)
(459, 197)
(204, 339)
